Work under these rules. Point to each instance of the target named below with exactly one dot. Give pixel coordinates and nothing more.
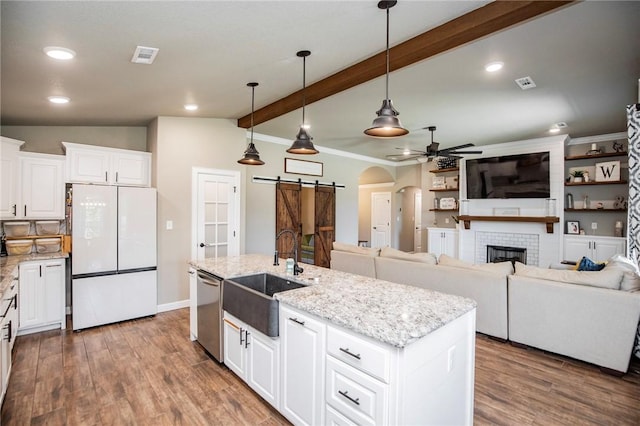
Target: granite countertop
(392, 313)
(9, 266)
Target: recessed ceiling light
(191, 107)
(61, 53)
(58, 99)
(557, 127)
(494, 66)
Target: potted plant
(577, 175)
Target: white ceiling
(584, 58)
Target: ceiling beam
(474, 25)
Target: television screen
(509, 176)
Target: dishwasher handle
(208, 279)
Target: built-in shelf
(443, 210)
(610, 182)
(594, 210)
(451, 169)
(547, 220)
(443, 189)
(604, 155)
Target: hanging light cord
(253, 92)
(387, 94)
(304, 86)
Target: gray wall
(47, 139)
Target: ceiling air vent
(525, 83)
(144, 55)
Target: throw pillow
(630, 277)
(367, 251)
(503, 268)
(427, 258)
(587, 264)
(604, 279)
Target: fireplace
(502, 254)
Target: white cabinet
(42, 186)
(8, 327)
(442, 241)
(109, 166)
(595, 248)
(9, 149)
(254, 357)
(42, 295)
(303, 340)
(31, 184)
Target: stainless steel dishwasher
(210, 314)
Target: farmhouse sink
(250, 299)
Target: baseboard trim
(173, 306)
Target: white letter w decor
(609, 171)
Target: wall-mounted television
(509, 176)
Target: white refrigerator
(113, 259)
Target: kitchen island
(354, 349)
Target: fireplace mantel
(548, 220)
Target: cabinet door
(193, 304)
(303, 342)
(264, 366)
(5, 355)
(235, 355)
(130, 169)
(53, 275)
(32, 296)
(434, 243)
(575, 248)
(42, 188)
(450, 243)
(604, 248)
(8, 180)
(87, 166)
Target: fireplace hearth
(502, 254)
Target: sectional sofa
(590, 316)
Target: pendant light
(303, 144)
(387, 124)
(251, 155)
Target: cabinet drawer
(370, 357)
(355, 394)
(333, 418)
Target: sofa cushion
(367, 251)
(587, 264)
(605, 279)
(631, 275)
(427, 258)
(502, 268)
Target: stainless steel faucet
(296, 268)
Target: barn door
(325, 224)
(288, 214)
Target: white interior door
(380, 219)
(217, 213)
(417, 220)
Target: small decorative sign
(438, 182)
(607, 172)
(447, 203)
(302, 167)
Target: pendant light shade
(303, 144)
(251, 154)
(387, 124)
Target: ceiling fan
(432, 151)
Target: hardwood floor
(147, 371)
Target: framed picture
(573, 227)
(302, 167)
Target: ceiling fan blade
(412, 151)
(465, 152)
(401, 157)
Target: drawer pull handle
(348, 352)
(355, 401)
(297, 321)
